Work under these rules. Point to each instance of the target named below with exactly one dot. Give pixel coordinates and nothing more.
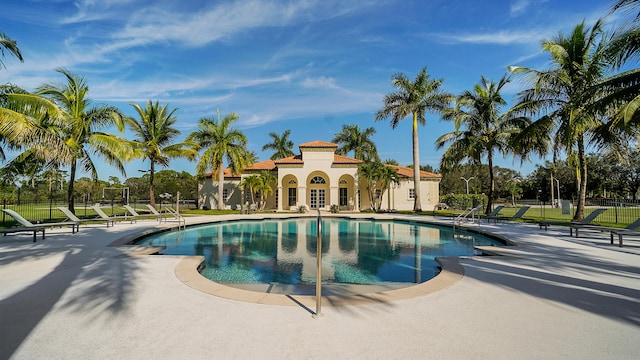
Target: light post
(558, 193)
(467, 181)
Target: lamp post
(558, 193)
(467, 181)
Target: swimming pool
(282, 252)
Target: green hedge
(464, 201)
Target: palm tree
(220, 141)
(577, 99)
(481, 130)
(280, 144)
(250, 185)
(352, 139)
(31, 122)
(266, 178)
(11, 46)
(154, 135)
(81, 131)
(378, 177)
(414, 98)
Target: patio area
(73, 296)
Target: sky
(310, 66)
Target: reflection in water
(354, 251)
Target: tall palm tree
(154, 139)
(577, 99)
(219, 141)
(82, 129)
(11, 46)
(281, 145)
(414, 98)
(352, 139)
(481, 129)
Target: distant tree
(352, 139)
(414, 98)
(281, 145)
(390, 162)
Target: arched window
(318, 180)
(292, 181)
(343, 182)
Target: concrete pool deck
(72, 296)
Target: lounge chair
(586, 221)
(494, 213)
(631, 229)
(516, 216)
(26, 224)
(573, 224)
(12, 230)
(102, 215)
(136, 215)
(72, 217)
(170, 215)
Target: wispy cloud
(518, 7)
(503, 37)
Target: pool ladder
(470, 215)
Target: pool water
(283, 251)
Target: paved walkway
(75, 297)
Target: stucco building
(318, 178)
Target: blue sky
(309, 66)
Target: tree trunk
(582, 186)
(72, 178)
(152, 187)
(221, 185)
(417, 206)
(491, 184)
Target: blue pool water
(283, 251)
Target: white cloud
(503, 37)
(322, 82)
(519, 7)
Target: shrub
(334, 208)
(464, 201)
(302, 209)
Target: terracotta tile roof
(290, 160)
(262, 165)
(339, 159)
(318, 143)
(408, 172)
(226, 173)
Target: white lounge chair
(136, 215)
(102, 215)
(72, 217)
(26, 224)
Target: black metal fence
(619, 211)
(47, 211)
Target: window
(343, 197)
(293, 192)
(412, 193)
(318, 180)
(225, 193)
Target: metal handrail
(469, 212)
